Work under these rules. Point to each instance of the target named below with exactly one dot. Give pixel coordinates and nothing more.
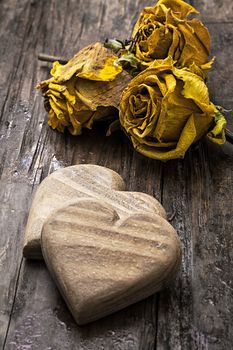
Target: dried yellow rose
(165, 109)
(164, 30)
(86, 89)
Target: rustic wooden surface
(196, 311)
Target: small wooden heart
(102, 263)
(76, 182)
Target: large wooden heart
(81, 181)
(102, 263)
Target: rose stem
(229, 135)
(50, 58)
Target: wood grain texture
(198, 190)
(214, 11)
(79, 182)
(103, 262)
(204, 310)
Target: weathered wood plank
(29, 151)
(196, 313)
(14, 205)
(214, 10)
(193, 313)
(220, 77)
(13, 197)
(132, 328)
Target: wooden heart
(76, 182)
(102, 263)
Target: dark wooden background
(196, 311)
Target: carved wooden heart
(102, 263)
(81, 181)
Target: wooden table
(196, 311)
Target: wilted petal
(172, 121)
(194, 88)
(94, 62)
(164, 30)
(180, 8)
(86, 89)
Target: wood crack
(13, 304)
